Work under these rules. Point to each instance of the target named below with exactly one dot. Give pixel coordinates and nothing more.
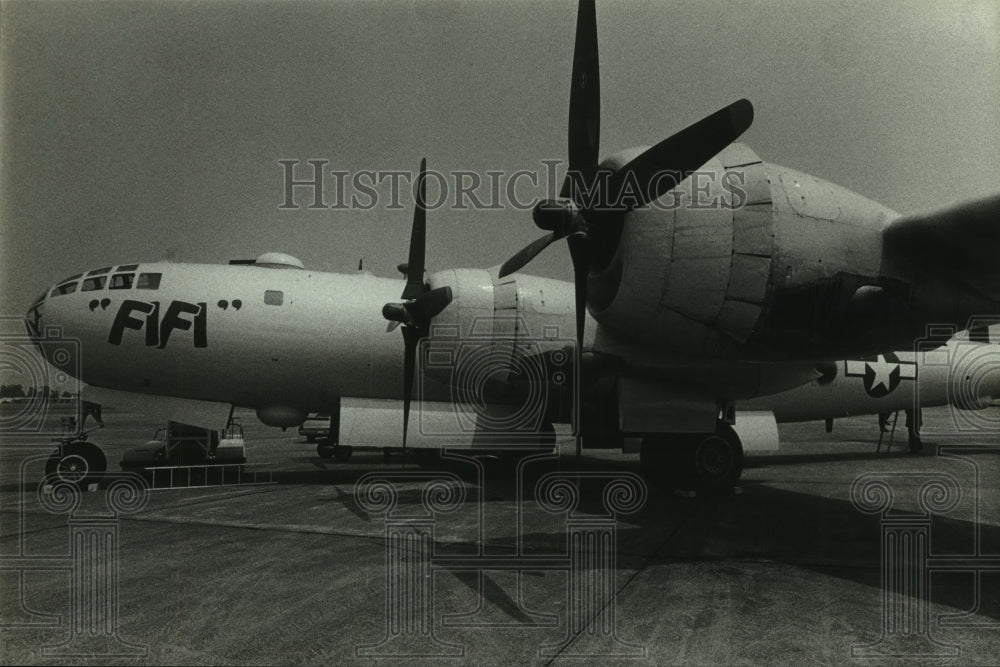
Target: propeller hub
(561, 216)
(395, 312)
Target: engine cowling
(751, 260)
(504, 341)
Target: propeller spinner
(592, 204)
(421, 304)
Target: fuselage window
(97, 272)
(65, 288)
(95, 283)
(122, 280)
(148, 281)
(274, 297)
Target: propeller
(420, 304)
(590, 210)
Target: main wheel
(78, 463)
(342, 453)
(325, 450)
(716, 460)
(705, 462)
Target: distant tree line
(18, 391)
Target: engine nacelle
(751, 260)
(504, 341)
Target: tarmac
(830, 553)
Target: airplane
(963, 373)
(702, 276)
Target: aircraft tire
(342, 453)
(80, 463)
(716, 460)
(707, 463)
(325, 450)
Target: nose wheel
(79, 462)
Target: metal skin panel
(815, 237)
(796, 251)
(702, 249)
(738, 317)
(646, 406)
(753, 228)
(689, 254)
(748, 278)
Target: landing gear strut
(704, 462)
(340, 453)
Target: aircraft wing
(957, 248)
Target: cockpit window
(65, 288)
(149, 281)
(95, 283)
(122, 280)
(128, 267)
(97, 272)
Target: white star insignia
(883, 369)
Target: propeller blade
(410, 338)
(418, 239)
(423, 309)
(579, 252)
(585, 96)
(391, 326)
(527, 253)
(660, 168)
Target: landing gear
(78, 462)
(705, 462)
(339, 453)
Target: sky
(150, 130)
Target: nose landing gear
(77, 461)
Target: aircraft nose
(33, 318)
